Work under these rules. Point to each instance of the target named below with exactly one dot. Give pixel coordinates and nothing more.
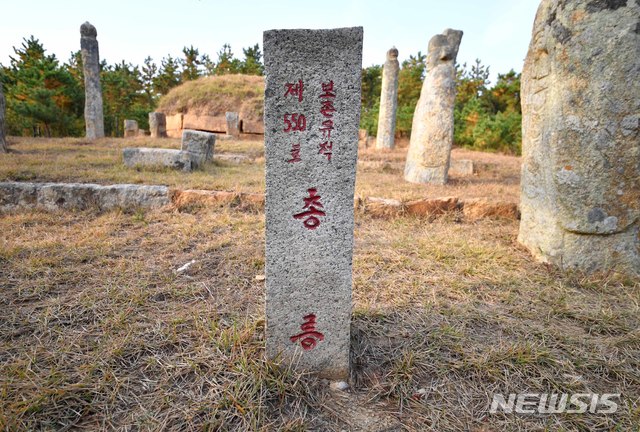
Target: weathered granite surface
(174, 125)
(580, 199)
(80, 196)
(233, 124)
(3, 139)
(93, 115)
(140, 156)
(200, 146)
(131, 128)
(157, 125)
(385, 138)
(432, 129)
(312, 113)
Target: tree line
(46, 97)
(486, 117)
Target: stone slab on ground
(475, 209)
(200, 145)
(461, 167)
(312, 110)
(384, 208)
(80, 196)
(171, 158)
(431, 207)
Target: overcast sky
(496, 31)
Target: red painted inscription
(294, 89)
(327, 109)
(309, 337)
(310, 216)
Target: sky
(496, 31)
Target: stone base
(175, 159)
(80, 196)
(431, 175)
(461, 167)
(586, 252)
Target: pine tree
(168, 77)
(252, 64)
(226, 63)
(43, 97)
(191, 64)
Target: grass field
(99, 332)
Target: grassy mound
(216, 95)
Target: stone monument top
(88, 30)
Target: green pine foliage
(46, 98)
(485, 118)
(43, 97)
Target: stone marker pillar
(312, 113)
(3, 141)
(580, 199)
(388, 102)
(130, 128)
(93, 116)
(432, 129)
(233, 124)
(157, 125)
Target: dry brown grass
(69, 160)
(216, 95)
(75, 160)
(98, 332)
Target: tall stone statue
(93, 116)
(3, 142)
(432, 129)
(388, 102)
(580, 199)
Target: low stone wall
(80, 196)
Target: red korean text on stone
(310, 336)
(312, 213)
(327, 109)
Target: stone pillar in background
(157, 125)
(388, 102)
(580, 199)
(130, 128)
(233, 124)
(3, 140)
(93, 116)
(312, 113)
(432, 129)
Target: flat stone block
(431, 207)
(475, 209)
(175, 159)
(383, 207)
(461, 167)
(200, 145)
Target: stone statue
(432, 129)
